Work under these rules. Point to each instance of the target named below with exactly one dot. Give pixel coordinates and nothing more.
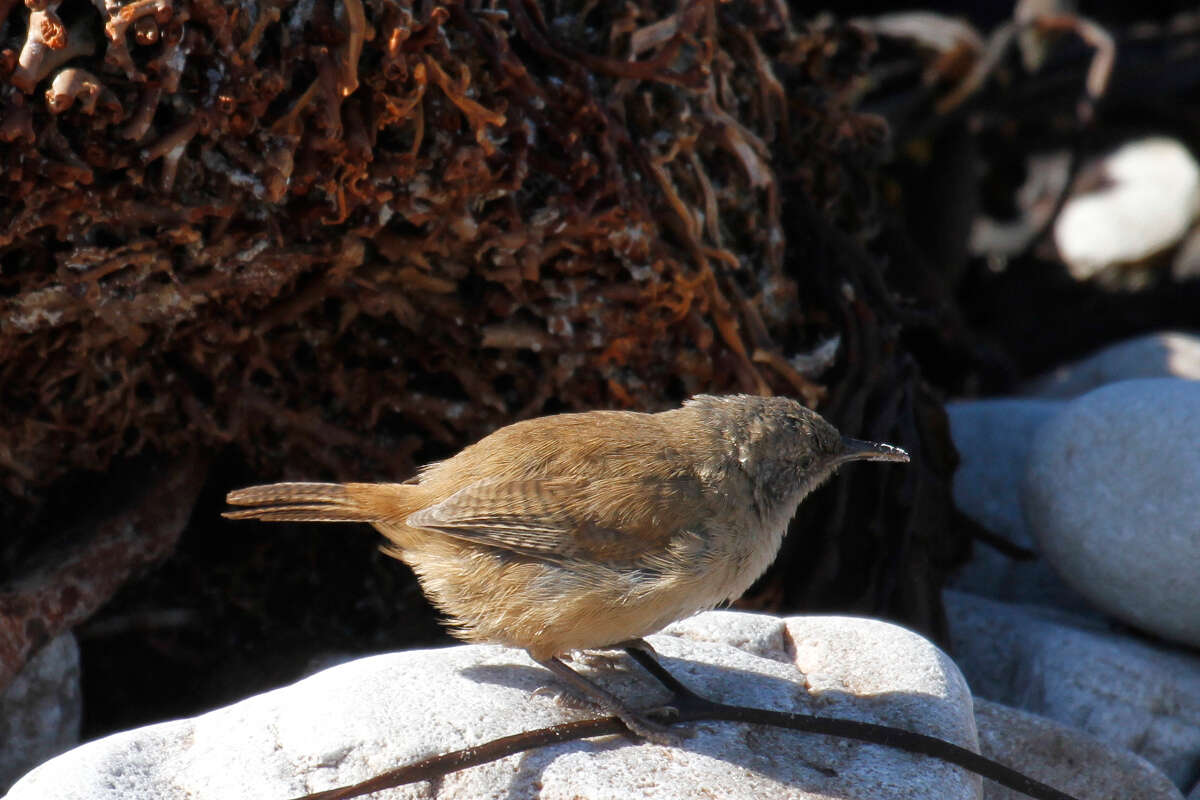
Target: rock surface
(993, 439)
(41, 710)
(1064, 758)
(1111, 497)
(1166, 354)
(1149, 196)
(359, 719)
(1123, 692)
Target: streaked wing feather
(555, 518)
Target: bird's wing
(570, 518)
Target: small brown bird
(592, 530)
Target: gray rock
(1166, 354)
(1064, 758)
(1111, 497)
(41, 710)
(993, 438)
(1122, 691)
(359, 719)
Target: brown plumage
(589, 530)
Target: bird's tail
(325, 502)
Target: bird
(591, 530)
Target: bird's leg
(638, 724)
(644, 653)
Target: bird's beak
(859, 450)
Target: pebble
(1162, 354)
(1122, 691)
(1110, 494)
(1054, 754)
(993, 439)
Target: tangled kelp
(354, 235)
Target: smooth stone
(41, 710)
(1164, 354)
(1147, 201)
(1124, 692)
(993, 439)
(1064, 758)
(1111, 497)
(357, 720)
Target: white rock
(845, 659)
(1166, 354)
(41, 710)
(359, 719)
(1111, 497)
(1064, 758)
(1147, 203)
(1124, 692)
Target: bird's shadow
(760, 749)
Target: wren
(592, 530)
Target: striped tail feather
(318, 502)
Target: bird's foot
(582, 691)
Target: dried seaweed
(350, 235)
